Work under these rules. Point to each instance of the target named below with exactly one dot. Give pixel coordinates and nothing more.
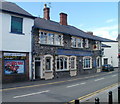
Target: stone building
(60, 49)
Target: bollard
(110, 97)
(119, 94)
(97, 101)
(77, 102)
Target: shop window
(16, 25)
(87, 62)
(62, 63)
(77, 42)
(73, 62)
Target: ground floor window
(72, 62)
(48, 62)
(98, 62)
(87, 62)
(105, 60)
(62, 63)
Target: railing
(110, 98)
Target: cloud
(110, 32)
(110, 20)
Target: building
(110, 53)
(15, 42)
(60, 49)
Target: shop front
(15, 67)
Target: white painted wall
(111, 53)
(16, 42)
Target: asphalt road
(62, 91)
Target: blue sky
(99, 17)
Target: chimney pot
(63, 19)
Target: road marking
(114, 75)
(38, 85)
(31, 94)
(76, 85)
(99, 79)
(73, 85)
(94, 93)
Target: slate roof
(70, 30)
(10, 7)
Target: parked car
(107, 67)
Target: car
(107, 67)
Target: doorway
(37, 68)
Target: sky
(99, 17)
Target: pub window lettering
(16, 25)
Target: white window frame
(76, 42)
(87, 57)
(86, 43)
(47, 42)
(59, 63)
(98, 58)
(74, 62)
(51, 61)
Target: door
(105, 60)
(37, 69)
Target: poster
(14, 66)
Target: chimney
(46, 12)
(63, 19)
(90, 33)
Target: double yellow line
(94, 93)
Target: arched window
(72, 62)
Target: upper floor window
(97, 45)
(16, 25)
(86, 43)
(51, 38)
(77, 42)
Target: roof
(12, 8)
(107, 46)
(49, 25)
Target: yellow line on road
(94, 93)
(29, 86)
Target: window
(48, 63)
(51, 38)
(62, 63)
(72, 62)
(105, 60)
(76, 42)
(87, 62)
(98, 62)
(86, 43)
(97, 46)
(16, 25)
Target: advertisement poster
(14, 66)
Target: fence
(110, 98)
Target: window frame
(84, 59)
(74, 62)
(12, 30)
(75, 41)
(86, 43)
(55, 36)
(62, 56)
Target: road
(61, 91)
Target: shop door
(37, 68)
